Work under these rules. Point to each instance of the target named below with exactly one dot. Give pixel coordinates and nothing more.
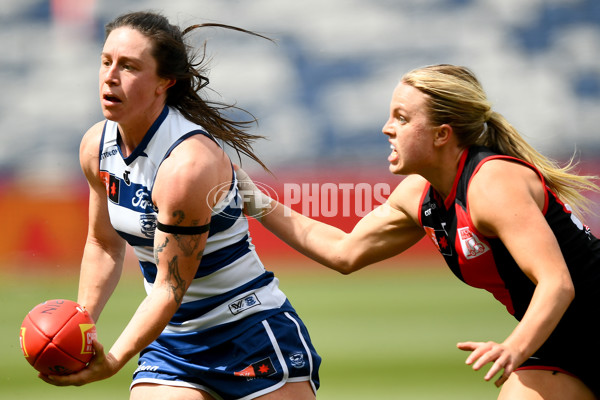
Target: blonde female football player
(502, 216)
(214, 324)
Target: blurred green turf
(383, 333)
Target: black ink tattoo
(180, 215)
(177, 284)
(188, 244)
(158, 249)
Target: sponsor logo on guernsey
(113, 186)
(260, 369)
(142, 200)
(244, 304)
(471, 245)
(108, 153)
(126, 178)
(146, 367)
(440, 239)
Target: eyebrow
(122, 58)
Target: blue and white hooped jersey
(231, 283)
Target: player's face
(130, 89)
(408, 129)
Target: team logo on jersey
(471, 245)
(439, 237)
(148, 224)
(297, 360)
(260, 369)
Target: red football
(56, 337)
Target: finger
(55, 380)
(468, 346)
(500, 381)
(488, 356)
(475, 357)
(98, 348)
(496, 367)
(46, 378)
(508, 369)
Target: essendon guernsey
(484, 262)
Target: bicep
(389, 229)
(182, 192)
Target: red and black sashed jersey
(484, 262)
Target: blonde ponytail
(570, 187)
(457, 98)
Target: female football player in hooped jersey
(497, 211)
(214, 324)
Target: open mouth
(393, 155)
(111, 98)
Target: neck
(132, 132)
(443, 174)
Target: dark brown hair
(177, 60)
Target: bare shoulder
(498, 177)
(196, 167)
(89, 149)
(407, 195)
(92, 137)
(499, 189)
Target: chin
(109, 115)
(394, 169)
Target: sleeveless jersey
(484, 262)
(231, 286)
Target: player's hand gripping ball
(56, 337)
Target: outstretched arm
(386, 231)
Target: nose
(387, 128)
(110, 73)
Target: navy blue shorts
(262, 359)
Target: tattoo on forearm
(188, 245)
(177, 284)
(158, 249)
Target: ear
(164, 85)
(443, 135)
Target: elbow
(569, 291)
(344, 270)
(346, 266)
(565, 293)
(345, 258)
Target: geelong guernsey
(484, 262)
(231, 286)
